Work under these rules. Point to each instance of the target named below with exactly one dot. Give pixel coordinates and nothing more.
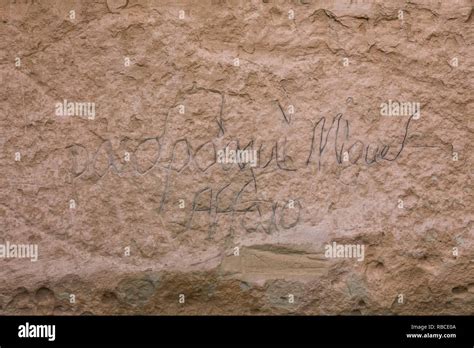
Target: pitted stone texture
(300, 82)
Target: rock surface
(132, 211)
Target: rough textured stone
(173, 83)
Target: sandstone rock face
(352, 192)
